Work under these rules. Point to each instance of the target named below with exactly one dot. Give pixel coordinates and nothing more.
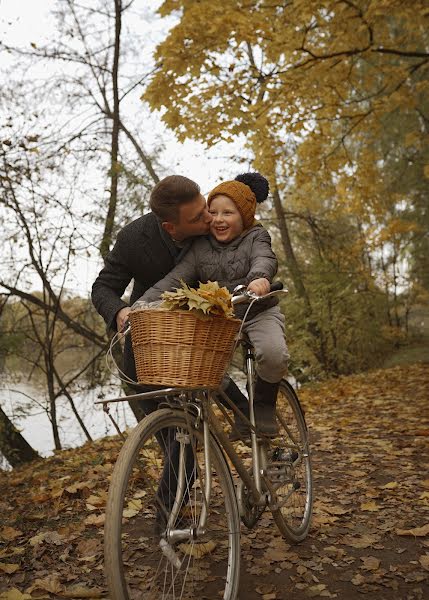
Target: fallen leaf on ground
(7, 552)
(49, 584)
(370, 563)
(14, 594)
(89, 547)
(370, 506)
(390, 486)
(198, 550)
(133, 508)
(417, 531)
(81, 485)
(358, 579)
(9, 533)
(362, 541)
(50, 537)
(97, 520)
(81, 591)
(96, 500)
(8, 567)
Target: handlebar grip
(276, 286)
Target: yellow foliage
(327, 73)
(329, 96)
(209, 298)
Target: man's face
(194, 219)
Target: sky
(30, 22)
(25, 22)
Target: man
(146, 250)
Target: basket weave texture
(180, 349)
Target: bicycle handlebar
(241, 295)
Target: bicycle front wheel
(290, 467)
(155, 547)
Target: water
(25, 403)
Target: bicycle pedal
(284, 455)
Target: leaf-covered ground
(370, 533)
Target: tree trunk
(385, 270)
(114, 166)
(395, 285)
(52, 405)
(13, 445)
(298, 282)
(77, 415)
(292, 263)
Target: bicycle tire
(135, 565)
(291, 467)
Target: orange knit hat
(241, 195)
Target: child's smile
(227, 223)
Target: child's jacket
(240, 261)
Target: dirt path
(370, 460)
(370, 532)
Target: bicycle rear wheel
(142, 560)
(289, 467)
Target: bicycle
(183, 539)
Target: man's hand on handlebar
(122, 318)
(260, 286)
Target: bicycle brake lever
(239, 289)
(126, 328)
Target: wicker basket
(178, 348)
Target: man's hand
(122, 317)
(259, 286)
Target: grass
(407, 355)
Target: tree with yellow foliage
(331, 97)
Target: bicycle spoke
(291, 468)
(182, 568)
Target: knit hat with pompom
(245, 191)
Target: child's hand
(259, 286)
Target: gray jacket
(246, 258)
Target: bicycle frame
(258, 483)
(191, 487)
(258, 448)
(206, 397)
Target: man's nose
(208, 217)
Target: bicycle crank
(250, 513)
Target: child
(238, 251)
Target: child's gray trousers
(266, 331)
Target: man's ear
(170, 228)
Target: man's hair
(169, 194)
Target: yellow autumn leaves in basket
(209, 298)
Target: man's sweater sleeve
(112, 282)
(185, 271)
(263, 260)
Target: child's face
(227, 223)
